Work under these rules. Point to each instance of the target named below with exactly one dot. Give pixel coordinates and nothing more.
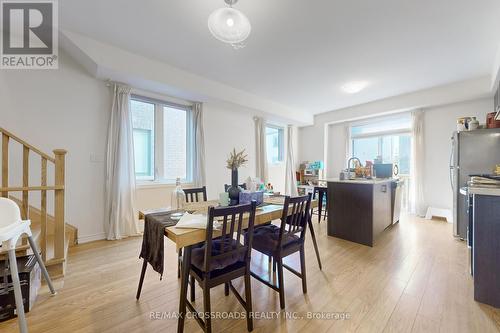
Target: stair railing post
(59, 228)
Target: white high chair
(11, 228)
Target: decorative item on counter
(269, 188)
(178, 197)
(462, 124)
(248, 196)
(235, 161)
(224, 199)
(473, 124)
(491, 122)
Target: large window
(162, 140)
(275, 144)
(388, 140)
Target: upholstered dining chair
(192, 195)
(12, 227)
(223, 259)
(280, 242)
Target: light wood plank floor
(414, 280)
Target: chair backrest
(9, 212)
(192, 194)
(243, 186)
(295, 217)
(232, 240)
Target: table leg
(141, 280)
(314, 242)
(186, 266)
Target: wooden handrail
(30, 147)
(31, 188)
(59, 192)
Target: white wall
(439, 124)
(68, 108)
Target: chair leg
(179, 263)
(315, 244)
(23, 328)
(226, 289)
(206, 309)
(274, 265)
(192, 287)
(303, 269)
(280, 282)
(42, 265)
(248, 301)
(141, 279)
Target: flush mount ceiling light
(354, 87)
(229, 25)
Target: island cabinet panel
(350, 212)
(359, 211)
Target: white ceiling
(300, 53)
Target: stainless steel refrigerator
(474, 152)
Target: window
(162, 140)
(388, 140)
(274, 144)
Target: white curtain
(120, 218)
(199, 146)
(417, 204)
(260, 144)
(290, 179)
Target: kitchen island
(360, 210)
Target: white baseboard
(439, 212)
(91, 238)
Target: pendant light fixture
(229, 25)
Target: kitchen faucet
(349, 162)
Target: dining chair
(192, 195)
(222, 259)
(280, 242)
(227, 186)
(321, 193)
(12, 227)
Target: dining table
(186, 239)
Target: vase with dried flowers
(234, 162)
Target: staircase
(51, 232)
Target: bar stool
(320, 192)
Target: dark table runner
(152, 239)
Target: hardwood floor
(415, 279)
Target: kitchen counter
(359, 210)
(361, 180)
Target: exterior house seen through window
(162, 140)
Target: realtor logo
(29, 34)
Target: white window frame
(159, 177)
(380, 135)
(281, 149)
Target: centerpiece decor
(234, 162)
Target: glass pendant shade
(229, 25)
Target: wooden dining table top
(185, 237)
